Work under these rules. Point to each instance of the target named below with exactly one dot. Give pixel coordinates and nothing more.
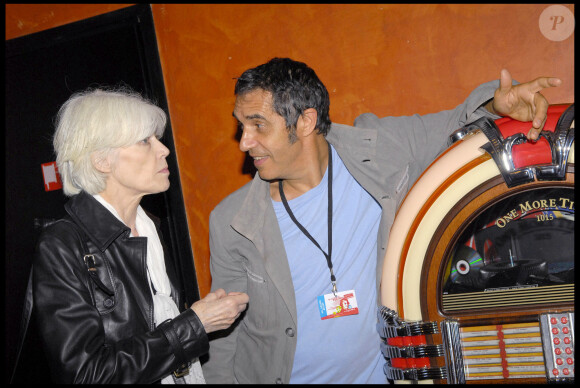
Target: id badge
(331, 306)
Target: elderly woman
(104, 287)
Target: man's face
(265, 137)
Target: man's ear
(307, 121)
(100, 162)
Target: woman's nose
(163, 150)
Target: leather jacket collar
(97, 222)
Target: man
(271, 238)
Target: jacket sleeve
(73, 330)
(228, 274)
(420, 138)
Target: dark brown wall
(387, 59)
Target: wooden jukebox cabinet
(478, 280)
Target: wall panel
(388, 59)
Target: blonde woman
(105, 291)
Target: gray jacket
(385, 156)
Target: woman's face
(139, 169)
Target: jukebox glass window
(522, 243)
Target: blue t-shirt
(344, 349)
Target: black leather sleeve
(85, 345)
(186, 336)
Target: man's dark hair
(295, 87)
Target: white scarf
(163, 305)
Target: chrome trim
(414, 373)
(459, 134)
(451, 338)
(560, 143)
(390, 325)
(500, 149)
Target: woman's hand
(218, 310)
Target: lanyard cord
(299, 225)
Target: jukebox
(478, 278)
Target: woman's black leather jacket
(105, 333)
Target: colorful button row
(566, 340)
(554, 320)
(565, 371)
(558, 351)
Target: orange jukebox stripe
(483, 347)
(481, 356)
(477, 328)
(526, 345)
(499, 375)
(519, 325)
(536, 363)
(512, 355)
(528, 374)
(424, 209)
(521, 335)
(481, 338)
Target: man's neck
(295, 187)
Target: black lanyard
(329, 254)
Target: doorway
(42, 71)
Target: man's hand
(523, 102)
(217, 311)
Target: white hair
(100, 121)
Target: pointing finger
(544, 82)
